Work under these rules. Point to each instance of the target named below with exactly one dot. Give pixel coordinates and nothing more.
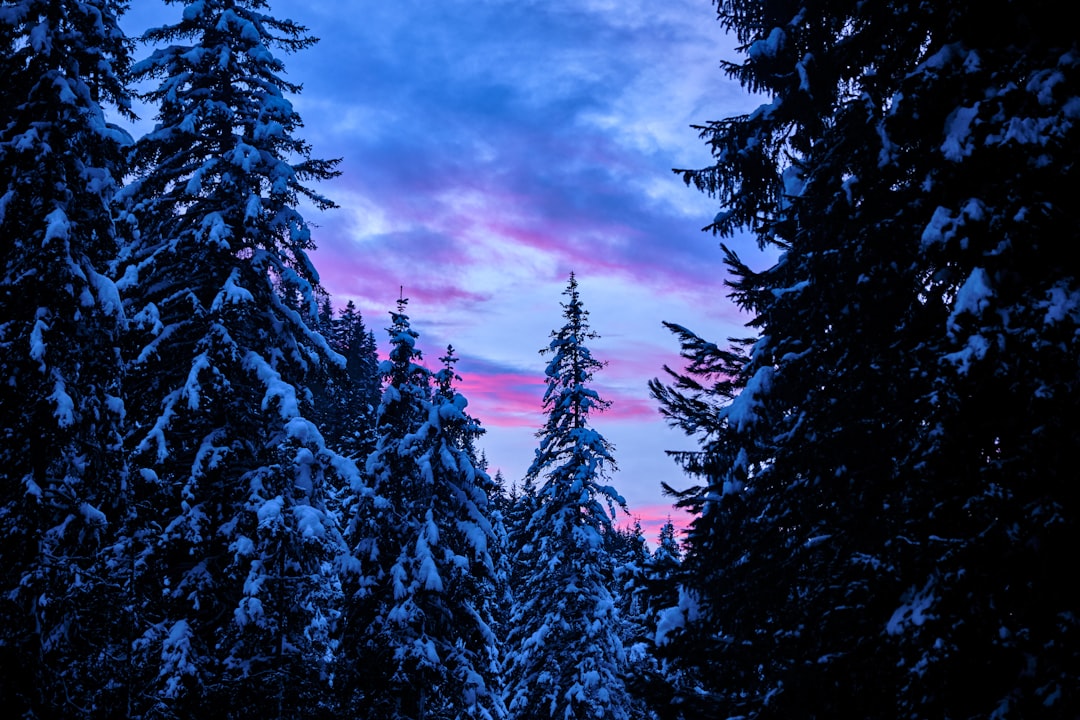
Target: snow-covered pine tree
(356, 400)
(631, 555)
(471, 539)
(651, 679)
(419, 640)
(521, 502)
(63, 491)
(500, 502)
(237, 568)
(564, 653)
(890, 498)
(369, 681)
(667, 555)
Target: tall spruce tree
(375, 673)
(888, 498)
(419, 638)
(62, 487)
(470, 541)
(237, 563)
(357, 398)
(346, 395)
(565, 655)
(651, 679)
(520, 503)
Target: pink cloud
(627, 408)
(633, 359)
(513, 399)
(653, 517)
(502, 398)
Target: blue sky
(491, 147)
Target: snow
(939, 229)
(194, 10)
(175, 653)
(4, 200)
(794, 289)
(973, 298)
(276, 388)
(92, 515)
(672, 619)
(1042, 85)
(245, 157)
(1028, 131)
(249, 610)
(231, 292)
(253, 208)
(914, 609)
(944, 57)
(767, 48)
(65, 406)
(741, 413)
(303, 431)
(269, 512)
(794, 183)
(192, 388)
(429, 575)
(37, 337)
(215, 230)
(242, 546)
(974, 350)
(397, 573)
(804, 77)
(310, 521)
(40, 39)
(475, 536)
(957, 144)
(107, 294)
(1063, 303)
(57, 226)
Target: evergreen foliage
(886, 501)
(236, 560)
(419, 637)
(652, 679)
(63, 491)
(346, 395)
(883, 511)
(565, 654)
(362, 383)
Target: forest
(218, 501)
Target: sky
(491, 147)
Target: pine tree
(371, 681)
(420, 614)
(358, 397)
(237, 564)
(565, 655)
(630, 554)
(471, 539)
(668, 554)
(63, 494)
(630, 589)
(886, 495)
(654, 680)
(502, 499)
(649, 589)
